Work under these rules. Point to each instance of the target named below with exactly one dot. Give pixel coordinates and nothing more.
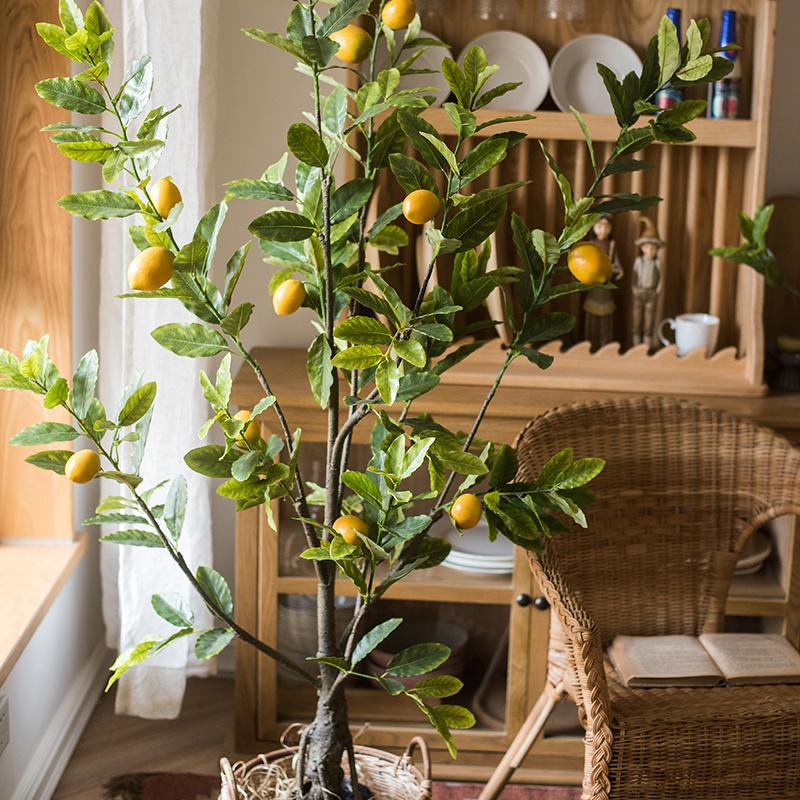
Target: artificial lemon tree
(374, 355)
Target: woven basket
(388, 776)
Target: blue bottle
(725, 93)
(671, 95)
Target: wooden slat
(34, 262)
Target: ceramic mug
(692, 331)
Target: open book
(708, 660)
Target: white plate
(574, 80)
(431, 59)
(477, 570)
(519, 59)
(475, 543)
(490, 561)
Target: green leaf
(131, 658)
(319, 49)
(192, 256)
(615, 93)
(251, 189)
(70, 15)
(172, 609)
(83, 383)
(456, 356)
(456, 717)
(137, 405)
(233, 271)
(134, 94)
(415, 457)
(541, 360)
(418, 660)
(555, 468)
(320, 376)
(411, 351)
(581, 472)
(461, 462)
(56, 394)
(443, 150)
(370, 640)
(435, 330)
(45, 433)
(307, 145)
(53, 460)
(175, 507)
(209, 460)
(362, 330)
(71, 94)
(478, 220)
(208, 229)
(83, 147)
(134, 538)
(342, 14)
(363, 486)
(349, 198)
(489, 153)
(235, 320)
(189, 339)
(99, 204)
(115, 518)
(387, 380)
(546, 246)
(697, 69)
(216, 587)
(98, 23)
(281, 42)
(410, 174)
(244, 466)
(211, 643)
(282, 226)
(548, 326)
(669, 50)
(415, 384)
(504, 467)
(683, 112)
(361, 356)
(438, 686)
(125, 478)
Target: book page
(753, 657)
(663, 661)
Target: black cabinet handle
(541, 603)
(524, 600)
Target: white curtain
(178, 35)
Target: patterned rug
(183, 786)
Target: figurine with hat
(646, 283)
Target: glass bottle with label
(725, 93)
(671, 95)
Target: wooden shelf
(440, 584)
(740, 133)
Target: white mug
(692, 331)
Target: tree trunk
(326, 747)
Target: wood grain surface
(34, 263)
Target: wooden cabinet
(275, 595)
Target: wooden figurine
(646, 284)
(599, 306)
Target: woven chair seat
(721, 743)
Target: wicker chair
(683, 489)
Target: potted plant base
(381, 775)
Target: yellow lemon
(288, 297)
(589, 264)
(250, 433)
(165, 195)
(354, 43)
(466, 511)
(82, 466)
(151, 269)
(349, 526)
(398, 14)
(421, 206)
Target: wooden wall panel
(34, 262)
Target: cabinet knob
(524, 600)
(541, 603)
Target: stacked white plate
(473, 552)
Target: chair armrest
(585, 655)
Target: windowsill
(31, 576)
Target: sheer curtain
(179, 36)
